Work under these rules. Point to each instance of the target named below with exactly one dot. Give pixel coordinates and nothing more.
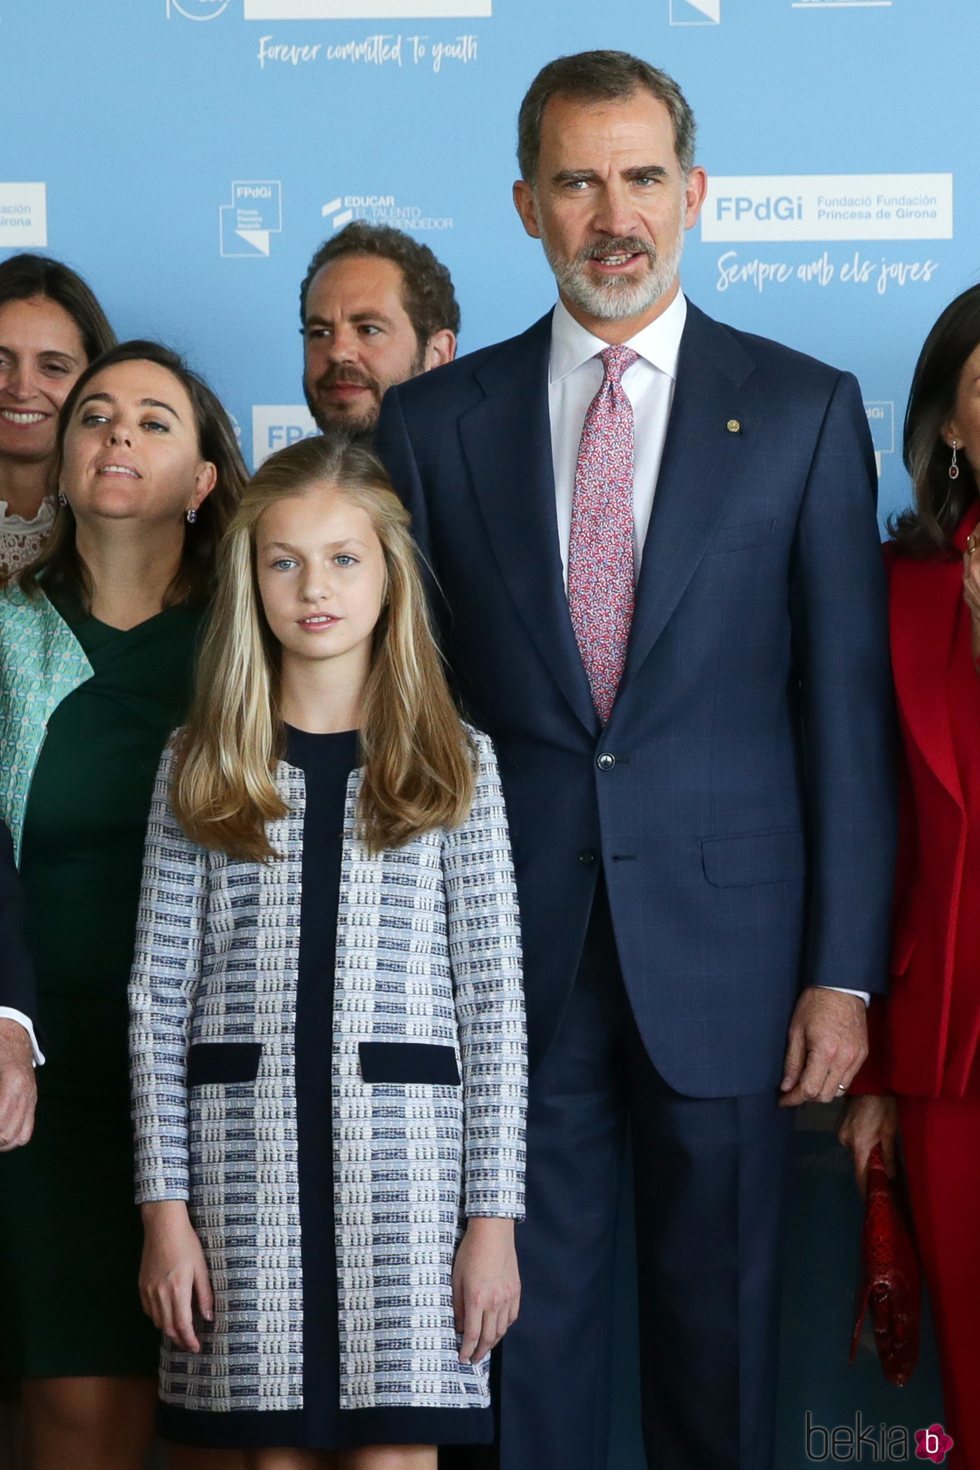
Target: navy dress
(326, 762)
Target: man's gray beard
(619, 297)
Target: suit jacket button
(605, 761)
(586, 858)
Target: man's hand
(828, 1041)
(486, 1286)
(18, 1090)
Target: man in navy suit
(661, 593)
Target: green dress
(70, 1235)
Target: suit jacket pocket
(223, 1061)
(741, 537)
(753, 857)
(409, 1061)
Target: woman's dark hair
(59, 561)
(24, 276)
(940, 503)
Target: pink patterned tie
(600, 548)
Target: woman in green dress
(97, 643)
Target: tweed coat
(428, 1059)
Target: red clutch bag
(891, 1277)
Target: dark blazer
(740, 800)
(17, 988)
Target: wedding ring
(971, 542)
(841, 1087)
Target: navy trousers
(709, 1177)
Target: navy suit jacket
(17, 988)
(745, 820)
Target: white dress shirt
(575, 376)
(7, 1013)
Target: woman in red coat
(922, 1077)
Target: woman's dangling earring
(62, 498)
(192, 513)
(954, 469)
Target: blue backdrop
(188, 156)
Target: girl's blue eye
(283, 563)
(345, 560)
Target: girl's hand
(867, 1121)
(174, 1273)
(486, 1286)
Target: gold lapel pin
(733, 426)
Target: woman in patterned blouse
(51, 328)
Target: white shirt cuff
(7, 1013)
(843, 990)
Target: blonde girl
(327, 1033)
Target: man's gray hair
(600, 76)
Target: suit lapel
(924, 603)
(506, 439)
(701, 457)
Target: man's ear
(440, 348)
(526, 207)
(695, 192)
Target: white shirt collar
(658, 343)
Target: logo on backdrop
(252, 218)
(881, 422)
(196, 9)
(374, 9)
(381, 209)
(274, 425)
(829, 207)
(695, 12)
(841, 4)
(23, 215)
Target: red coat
(924, 1036)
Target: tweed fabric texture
(428, 950)
(41, 663)
(600, 547)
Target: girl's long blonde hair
(417, 758)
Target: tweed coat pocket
(223, 1061)
(409, 1061)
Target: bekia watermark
(863, 1443)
